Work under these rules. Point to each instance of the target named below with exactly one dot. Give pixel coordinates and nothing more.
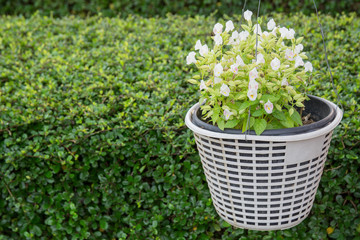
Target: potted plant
(262, 140)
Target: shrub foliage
(92, 138)
(148, 8)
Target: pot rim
(293, 137)
(274, 132)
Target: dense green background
(148, 8)
(93, 143)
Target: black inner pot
(321, 112)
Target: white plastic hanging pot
(265, 182)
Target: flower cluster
(252, 70)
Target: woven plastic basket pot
(263, 182)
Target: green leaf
(214, 117)
(221, 124)
(216, 227)
(259, 126)
(231, 123)
(297, 96)
(296, 118)
(37, 230)
(299, 40)
(279, 115)
(244, 105)
(258, 113)
(193, 81)
(288, 122)
(291, 111)
(299, 104)
(103, 224)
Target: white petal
(253, 74)
(275, 64)
(284, 82)
(225, 90)
(218, 28)
(239, 61)
(268, 106)
(217, 80)
(260, 59)
(235, 34)
(198, 45)
(243, 35)
(298, 48)
(218, 39)
(234, 68)
(190, 58)
(204, 50)
(202, 85)
(257, 29)
(252, 94)
(247, 15)
(229, 26)
(290, 34)
(218, 70)
(308, 67)
(271, 24)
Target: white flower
(308, 67)
(202, 85)
(217, 80)
(268, 107)
(204, 50)
(229, 26)
(218, 28)
(247, 15)
(252, 94)
(284, 82)
(253, 84)
(290, 34)
(234, 38)
(227, 114)
(260, 58)
(218, 39)
(289, 54)
(198, 45)
(283, 31)
(232, 41)
(218, 70)
(265, 33)
(257, 29)
(298, 61)
(234, 68)
(235, 34)
(225, 90)
(243, 35)
(239, 61)
(299, 48)
(190, 58)
(274, 31)
(275, 64)
(271, 24)
(253, 74)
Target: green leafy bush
(148, 8)
(92, 138)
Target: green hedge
(92, 137)
(148, 8)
